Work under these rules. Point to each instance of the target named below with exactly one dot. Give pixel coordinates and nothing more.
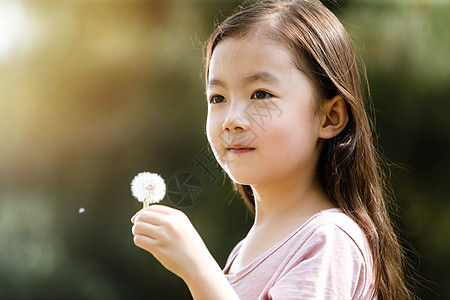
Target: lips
(239, 149)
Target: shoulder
(331, 233)
(329, 257)
(333, 226)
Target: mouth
(239, 149)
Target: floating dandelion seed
(81, 210)
(148, 188)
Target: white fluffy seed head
(149, 187)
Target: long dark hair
(349, 166)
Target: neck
(289, 200)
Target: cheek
(294, 139)
(210, 128)
(213, 130)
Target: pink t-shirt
(328, 257)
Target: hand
(171, 238)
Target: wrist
(201, 270)
(207, 281)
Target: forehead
(234, 57)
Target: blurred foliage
(93, 92)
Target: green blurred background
(93, 92)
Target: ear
(334, 117)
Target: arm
(170, 237)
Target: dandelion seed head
(149, 187)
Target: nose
(236, 119)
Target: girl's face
(262, 122)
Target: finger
(133, 218)
(151, 217)
(147, 213)
(135, 215)
(144, 242)
(162, 209)
(145, 229)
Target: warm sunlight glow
(13, 24)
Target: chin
(243, 177)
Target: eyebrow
(259, 76)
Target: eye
(261, 95)
(215, 99)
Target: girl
(286, 121)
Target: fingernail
(134, 217)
